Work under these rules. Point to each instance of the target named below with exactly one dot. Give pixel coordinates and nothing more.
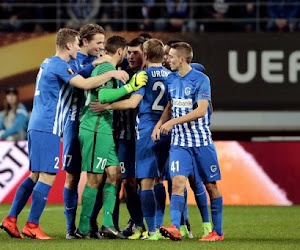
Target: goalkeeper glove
(136, 82)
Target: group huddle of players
(144, 123)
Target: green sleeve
(111, 95)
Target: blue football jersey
(124, 125)
(77, 99)
(155, 97)
(184, 93)
(52, 97)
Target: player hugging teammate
(172, 140)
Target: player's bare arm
(200, 111)
(166, 115)
(130, 103)
(96, 81)
(102, 59)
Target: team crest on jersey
(187, 90)
(213, 168)
(71, 71)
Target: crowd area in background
(152, 15)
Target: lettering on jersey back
(159, 73)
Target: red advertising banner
(253, 173)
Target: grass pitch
(244, 228)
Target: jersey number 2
(155, 105)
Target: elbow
(131, 105)
(86, 87)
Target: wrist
(128, 88)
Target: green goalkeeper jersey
(102, 121)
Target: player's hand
(166, 127)
(102, 59)
(97, 106)
(155, 136)
(120, 75)
(138, 80)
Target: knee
(177, 187)
(212, 189)
(114, 177)
(130, 187)
(72, 180)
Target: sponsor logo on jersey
(213, 168)
(71, 71)
(187, 90)
(182, 103)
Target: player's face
(11, 98)
(96, 45)
(166, 56)
(135, 58)
(74, 49)
(174, 60)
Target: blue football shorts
(126, 155)
(43, 150)
(151, 157)
(71, 148)
(199, 161)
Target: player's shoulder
(173, 75)
(199, 76)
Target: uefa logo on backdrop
(187, 91)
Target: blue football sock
(201, 199)
(117, 209)
(21, 197)
(176, 209)
(70, 201)
(149, 208)
(97, 207)
(160, 196)
(135, 210)
(185, 213)
(217, 214)
(39, 199)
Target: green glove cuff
(128, 88)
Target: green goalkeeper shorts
(98, 151)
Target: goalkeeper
(98, 149)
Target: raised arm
(96, 81)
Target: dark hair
(138, 41)
(170, 42)
(145, 35)
(7, 107)
(11, 90)
(113, 43)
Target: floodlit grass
(244, 228)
